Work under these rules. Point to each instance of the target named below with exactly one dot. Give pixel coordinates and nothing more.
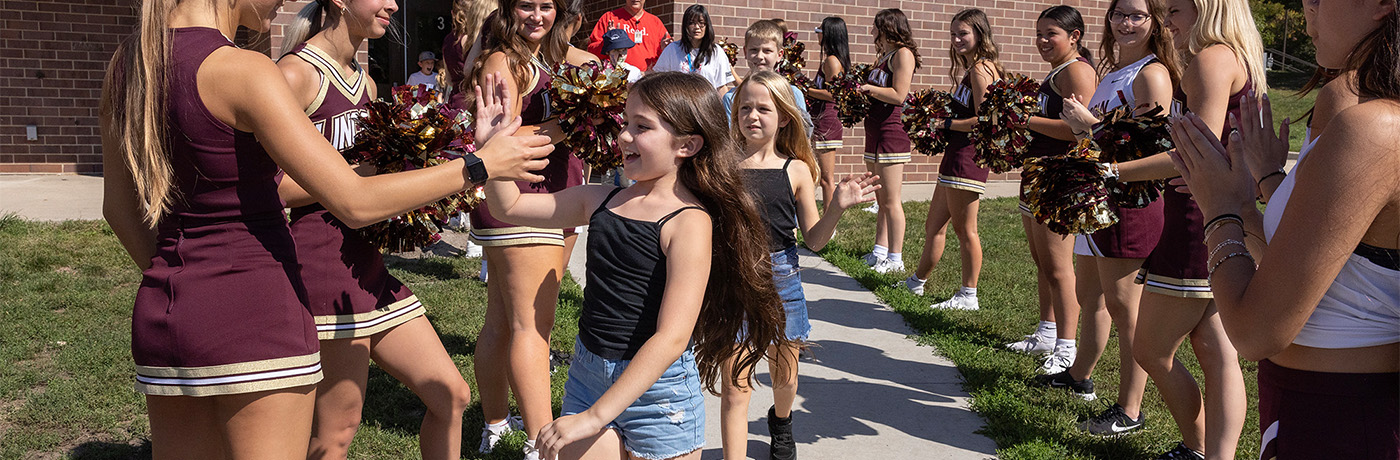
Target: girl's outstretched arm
(686, 242)
(817, 230)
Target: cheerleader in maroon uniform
(887, 146)
(827, 137)
(525, 264)
(960, 181)
(194, 132)
(1224, 57)
(361, 311)
(1059, 32)
(1139, 70)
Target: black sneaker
(1083, 388)
(1113, 422)
(782, 447)
(1181, 452)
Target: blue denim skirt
(667, 421)
(788, 279)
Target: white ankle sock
(880, 251)
(499, 426)
(1046, 329)
(968, 291)
(1064, 343)
(896, 257)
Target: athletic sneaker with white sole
(1113, 422)
(530, 452)
(873, 208)
(1033, 344)
(490, 437)
(959, 301)
(1058, 361)
(871, 259)
(887, 266)
(1181, 452)
(912, 284)
(1083, 388)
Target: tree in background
(1282, 27)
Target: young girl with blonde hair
(767, 118)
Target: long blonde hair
(791, 139)
(1229, 23)
(133, 108)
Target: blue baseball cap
(616, 39)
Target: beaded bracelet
(1211, 272)
(1223, 217)
(1223, 244)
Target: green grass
(65, 361)
(1026, 422)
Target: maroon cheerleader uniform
(828, 135)
(1177, 266)
(454, 61)
(222, 309)
(958, 169)
(564, 170)
(348, 290)
(1138, 229)
(885, 139)
(1042, 145)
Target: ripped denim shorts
(667, 421)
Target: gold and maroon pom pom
(410, 131)
(923, 115)
(791, 62)
(589, 100)
(1000, 135)
(1121, 137)
(852, 105)
(731, 51)
(1068, 193)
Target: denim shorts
(788, 280)
(667, 421)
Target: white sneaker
(1059, 361)
(957, 302)
(489, 437)
(1033, 344)
(887, 266)
(531, 453)
(871, 259)
(873, 208)
(473, 249)
(912, 284)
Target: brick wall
(53, 57)
(68, 42)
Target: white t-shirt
(419, 79)
(716, 70)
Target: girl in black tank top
(764, 113)
(676, 275)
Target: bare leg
(782, 365)
(882, 230)
(414, 355)
(340, 397)
(1122, 297)
(962, 206)
(489, 358)
(1042, 277)
(734, 413)
(935, 233)
(606, 445)
(532, 291)
(1155, 349)
(1094, 320)
(264, 425)
(892, 204)
(1225, 391)
(1056, 266)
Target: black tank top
(772, 192)
(626, 279)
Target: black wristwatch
(476, 169)
(947, 124)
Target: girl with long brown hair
(961, 182)
(678, 258)
(1311, 288)
(362, 312)
(194, 133)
